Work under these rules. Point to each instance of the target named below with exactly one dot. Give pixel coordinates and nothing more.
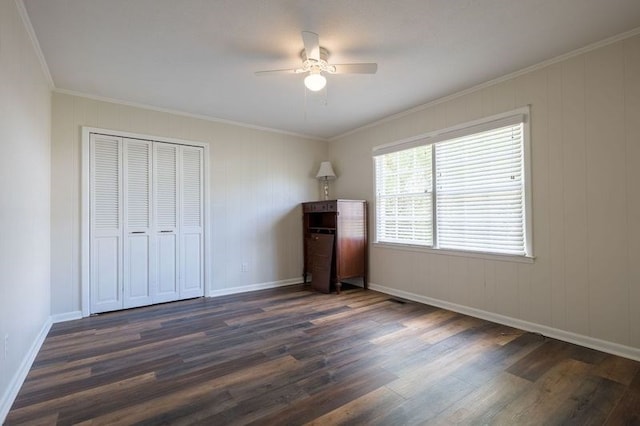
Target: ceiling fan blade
(283, 71)
(311, 45)
(365, 68)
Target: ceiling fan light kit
(315, 81)
(315, 62)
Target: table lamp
(325, 174)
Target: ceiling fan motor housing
(309, 64)
(324, 54)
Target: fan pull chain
(324, 100)
(305, 104)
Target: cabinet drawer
(320, 206)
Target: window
(461, 189)
(405, 196)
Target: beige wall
(586, 199)
(25, 112)
(258, 179)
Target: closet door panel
(167, 268)
(138, 278)
(191, 229)
(165, 171)
(139, 282)
(105, 215)
(192, 285)
(106, 274)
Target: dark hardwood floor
(292, 356)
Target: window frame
(522, 115)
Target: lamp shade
(325, 171)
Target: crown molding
(535, 67)
(185, 114)
(34, 41)
(47, 74)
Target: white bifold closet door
(138, 264)
(145, 222)
(191, 222)
(165, 191)
(105, 219)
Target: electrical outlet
(244, 267)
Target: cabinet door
(320, 248)
(105, 253)
(351, 243)
(138, 265)
(191, 222)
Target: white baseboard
(74, 315)
(254, 287)
(567, 336)
(67, 316)
(18, 378)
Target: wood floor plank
(361, 410)
(62, 377)
(43, 369)
(627, 411)
(438, 334)
(428, 403)
(54, 404)
(414, 377)
(619, 370)
(257, 407)
(293, 356)
(486, 401)
(331, 397)
(140, 412)
(553, 389)
(541, 360)
(348, 314)
(591, 403)
(96, 381)
(635, 383)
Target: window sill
(459, 253)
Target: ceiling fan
(315, 62)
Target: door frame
(85, 236)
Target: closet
(146, 217)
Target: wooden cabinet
(346, 256)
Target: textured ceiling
(199, 56)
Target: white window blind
(460, 189)
(404, 196)
(480, 192)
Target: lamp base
(325, 188)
